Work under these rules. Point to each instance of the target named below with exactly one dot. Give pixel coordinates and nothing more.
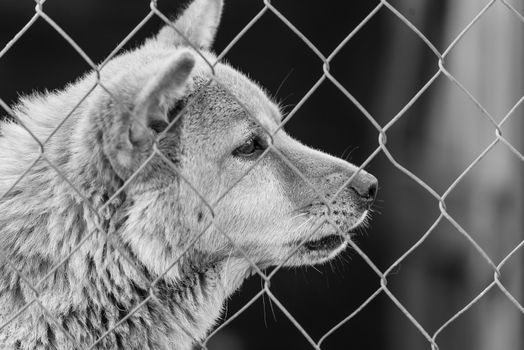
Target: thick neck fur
(95, 288)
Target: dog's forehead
(235, 94)
(228, 91)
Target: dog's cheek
(255, 203)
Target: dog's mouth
(327, 243)
(332, 241)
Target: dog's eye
(251, 149)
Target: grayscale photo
(256, 174)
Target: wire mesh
(327, 78)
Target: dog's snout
(366, 187)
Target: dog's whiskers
(297, 216)
(299, 227)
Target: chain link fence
(324, 60)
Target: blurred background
(384, 66)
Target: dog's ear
(198, 23)
(131, 138)
(169, 83)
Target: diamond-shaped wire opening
(338, 329)
(342, 305)
(343, 133)
(287, 327)
(400, 324)
(361, 57)
(486, 302)
(287, 62)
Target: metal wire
(326, 78)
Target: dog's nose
(366, 187)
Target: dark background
(383, 66)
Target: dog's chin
(325, 245)
(322, 249)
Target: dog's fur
(269, 211)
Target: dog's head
(223, 173)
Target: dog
(150, 203)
